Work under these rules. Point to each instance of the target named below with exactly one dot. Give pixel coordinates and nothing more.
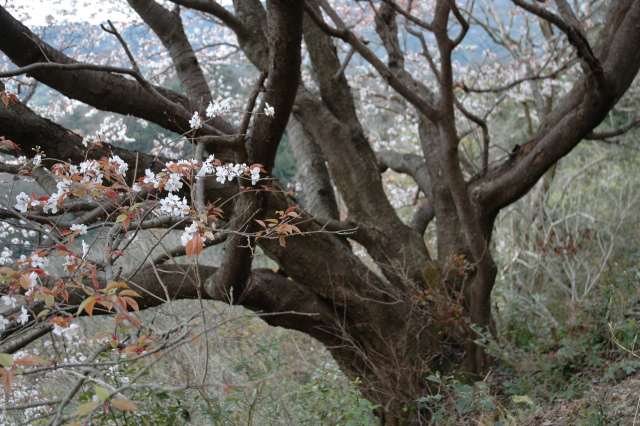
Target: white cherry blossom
(255, 175)
(269, 111)
(68, 332)
(217, 108)
(24, 316)
(195, 122)
(3, 322)
(9, 301)
(82, 228)
(23, 202)
(173, 206)
(39, 261)
(118, 162)
(189, 233)
(173, 183)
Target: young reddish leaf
(124, 404)
(107, 304)
(94, 277)
(89, 306)
(85, 305)
(30, 360)
(114, 284)
(195, 339)
(132, 303)
(25, 281)
(129, 293)
(101, 334)
(120, 316)
(7, 381)
(195, 246)
(120, 301)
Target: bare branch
(614, 132)
(411, 164)
(343, 33)
(574, 33)
(419, 22)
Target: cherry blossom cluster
(89, 175)
(189, 233)
(23, 275)
(219, 107)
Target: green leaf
(519, 399)
(84, 303)
(6, 360)
(102, 393)
(87, 407)
(121, 218)
(43, 312)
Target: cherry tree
(417, 87)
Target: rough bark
(167, 25)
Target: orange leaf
(30, 360)
(120, 316)
(124, 404)
(114, 284)
(122, 303)
(25, 281)
(195, 339)
(7, 380)
(195, 246)
(132, 303)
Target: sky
(93, 11)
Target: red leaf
(7, 380)
(195, 246)
(132, 303)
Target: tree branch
(573, 30)
(411, 164)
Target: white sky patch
(41, 12)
